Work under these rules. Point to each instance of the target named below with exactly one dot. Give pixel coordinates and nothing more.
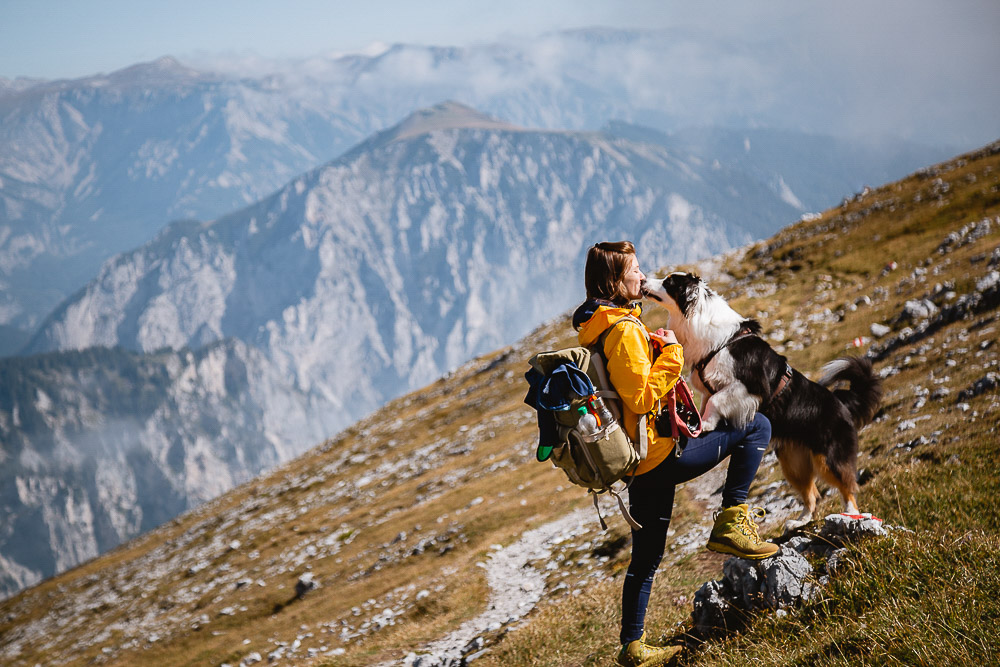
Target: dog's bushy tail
(863, 398)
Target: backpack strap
(643, 444)
(633, 524)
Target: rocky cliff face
(93, 167)
(102, 445)
(414, 252)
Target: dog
(814, 428)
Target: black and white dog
(814, 429)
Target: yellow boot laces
(748, 525)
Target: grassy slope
(451, 466)
(926, 597)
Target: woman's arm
(640, 382)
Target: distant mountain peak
(163, 70)
(448, 115)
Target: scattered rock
(940, 393)
(879, 330)
(783, 581)
(989, 281)
(985, 297)
(305, 584)
(984, 384)
(966, 235)
(994, 258)
(917, 309)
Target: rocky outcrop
(778, 583)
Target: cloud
(916, 70)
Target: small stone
(879, 330)
(940, 393)
(305, 584)
(918, 309)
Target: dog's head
(678, 291)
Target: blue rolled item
(562, 386)
(550, 393)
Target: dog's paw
(709, 425)
(794, 524)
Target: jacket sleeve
(640, 382)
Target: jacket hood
(595, 315)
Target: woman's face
(633, 280)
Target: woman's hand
(664, 337)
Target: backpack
(567, 389)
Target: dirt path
(516, 587)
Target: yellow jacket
(640, 381)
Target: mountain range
(445, 236)
(97, 166)
(250, 337)
(101, 445)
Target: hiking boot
(735, 533)
(638, 654)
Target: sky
(908, 58)
(68, 39)
(63, 39)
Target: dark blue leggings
(651, 501)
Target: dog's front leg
(732, 404)
(709, 415)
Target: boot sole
(733, 551)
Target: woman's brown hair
(605, 271)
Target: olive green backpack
(594, 461)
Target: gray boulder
(839, 529)
(711, 608)
(783, 581)
(918, 309)
(878, 330)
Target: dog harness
(744, 332)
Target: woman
(614, 285)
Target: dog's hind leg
(843, 477)
(799, 467)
